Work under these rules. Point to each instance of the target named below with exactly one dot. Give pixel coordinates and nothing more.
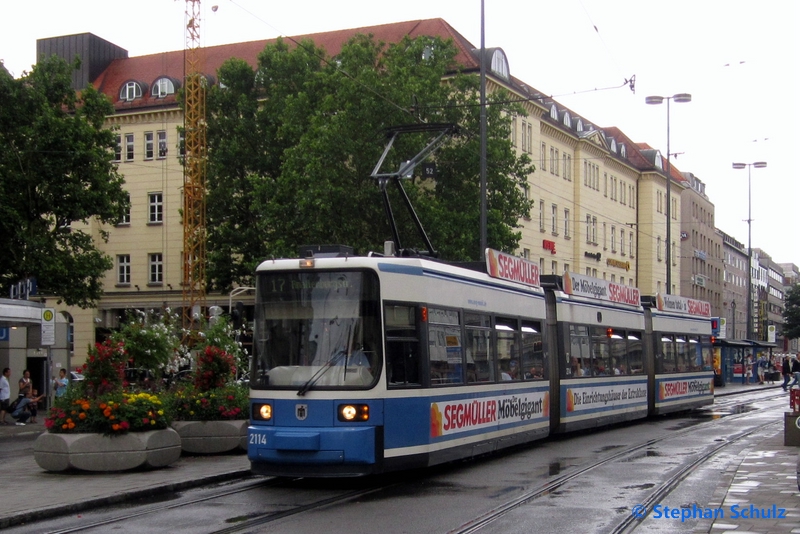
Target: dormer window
(579, 126)
(613, 146)
(163, 87)
(500, 64)
(553, 112)
(130, 91)
(567, 120)
(658, 163)
(623, 151)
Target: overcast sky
(738, 60)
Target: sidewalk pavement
(765, 476)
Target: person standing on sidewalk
(60, 383)
(5, 395)
(786, 370)
(25, 384)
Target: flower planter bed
(212, 437)
(100, 453)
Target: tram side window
(480, 360)
(579, 363)
(665, 358)
(682, 359)
(508, 348)
(402, 346)
(444, 347)
(703, 354)
(532, 351)
(619, 364)
(634, 353)
(601, 357)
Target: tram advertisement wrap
(464, 415)
(675, 389)
(588, 398)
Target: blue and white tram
(679, 329)
(598, 331)
(370, 364)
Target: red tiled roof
(147, 69)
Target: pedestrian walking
(795, 372)
(786, 371)
(761, 366)
(5, 395)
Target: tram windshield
(316, 330)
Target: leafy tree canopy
(293, 142)
(791, 313)
(55, 169)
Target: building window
(554, 219)
(622, 242)
(566, 223)
(557, 172)
(613, 239)
(588, 228)
(148, 145)
(554, 267)
(130, 91)
(163, 87)
(126, 218)
(156, 269)
(524, 135)
(156, 208)
(129, 147)
(594, 230)
(162, 144)
(118, 148)
(541, 215)
(658, 248)
(568, 167)
(530, 137)
(514, 132)
(124, 269)
(543, 158)
(552, 158)
(605, 237)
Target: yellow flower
(152, 421)
(160, 412)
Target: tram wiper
(338, 357)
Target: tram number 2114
(258, 439)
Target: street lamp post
(680, 98)
(757, 165)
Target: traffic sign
(48, 326)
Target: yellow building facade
(598, 196)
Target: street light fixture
(679, 98)
(757, 165)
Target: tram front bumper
(337, 445)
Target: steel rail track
(476, 524)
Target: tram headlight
(262, 412)
(353, 412)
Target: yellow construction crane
(194, 174)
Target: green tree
(55, 169)
(791, 313)
(292, 145)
